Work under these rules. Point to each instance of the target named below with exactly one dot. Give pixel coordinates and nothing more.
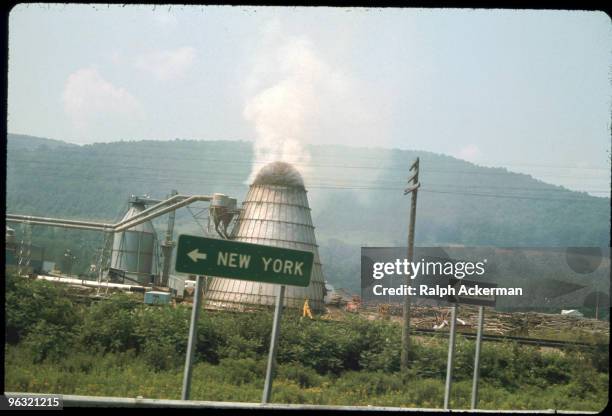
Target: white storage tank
(134, 249)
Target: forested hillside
(356, 196)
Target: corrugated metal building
(134, 249)
(275, 213)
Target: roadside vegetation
(120, 347)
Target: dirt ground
(501, 323)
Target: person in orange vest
(306, 310)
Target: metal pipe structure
(167, 246)
(152, 208)
(91, 283)
(49, 221)
(120, 226)
(131, 223)
(62, 225)
(133, 218)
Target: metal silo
(134, 249)
(10, 238)
(275, 213)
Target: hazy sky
(529, 90)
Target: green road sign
(244, 261)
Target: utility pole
(413, 186)
(168, 244)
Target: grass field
(120, 347)
(125, 375)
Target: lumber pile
(499, 323)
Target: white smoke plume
(291, 88)
(279, 112)
(299, 93)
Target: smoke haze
(296, 98)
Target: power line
(224, 183)
(159, 144)
(504, 196)
(239, 177)
(427, 170)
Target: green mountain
(356, 196)
(25, 142)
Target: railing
(100, 401)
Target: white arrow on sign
(195, 255)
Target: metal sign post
(475, 299)
(193, 327)
(477, 358)
(267, 391)
(451, 355)
(243, 261)
(481, 301)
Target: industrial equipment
(276, 213)
(156, 298)
(134, 249)
(134, 240)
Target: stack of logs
(502, 323)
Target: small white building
(572, 312)
(177, 286)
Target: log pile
(499, 323)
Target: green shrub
(312, 344)
(599, 356)
(243, 370)
(121, 347)
(161, 324)
(109, 325)
(288, 392)
(374, 346)
(79, 362)
(31, 302)
(370, 383)
(161, 355)
(210, 340)
(427, 392)
(429, 361)
(297, 373)
(48, 341)
(237, 347)
(388, 359)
